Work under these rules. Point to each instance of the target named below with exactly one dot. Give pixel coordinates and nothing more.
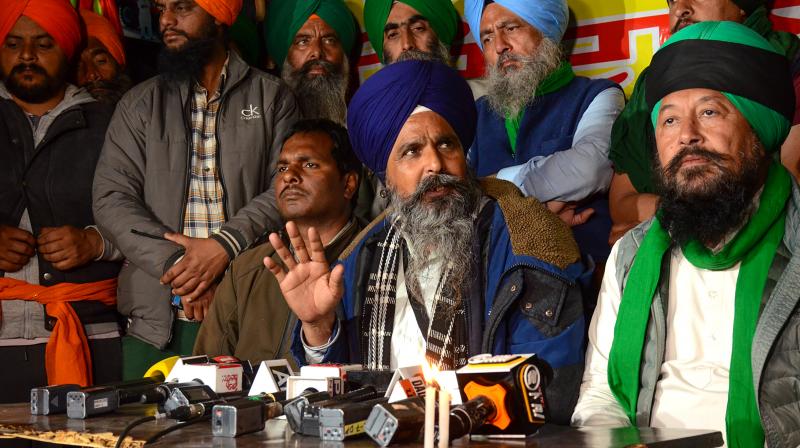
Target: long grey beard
(439, 53)
(320, 96)
(511, 90)
(443, 229)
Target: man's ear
(350, 184)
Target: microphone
(249, 414)
(473, 414)
(99, 400)
(505, 396)
(398, 422)
(303, 417)
(339, 422)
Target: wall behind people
(611, 39)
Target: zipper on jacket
(189, 145)
(494, 315)
(218, 161)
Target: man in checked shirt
(183, 184)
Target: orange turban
(101, 29)
(225, 11)
(56, 17)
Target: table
(101, 431)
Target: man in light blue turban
(540, 126)
(455, 268)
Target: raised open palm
(310, 288)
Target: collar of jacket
(237, 70)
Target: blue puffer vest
(547, 127)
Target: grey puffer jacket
(142, 180)
(776, 344)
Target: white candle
(430, 415)
(444, 418)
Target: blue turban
(550, 17)
(381, 106)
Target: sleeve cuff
(315, 355)
(174, 258)
(232, 241)
(106, 249)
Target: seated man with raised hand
(455, 268)
(540, 126)
(312, 53)
(315, 186)
(698, 316)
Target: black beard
(36, 94)
(319, 96)
(187, 63)
(708, 213)
(109, 92)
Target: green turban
(709, 55)
(441, 14)
(286, 17)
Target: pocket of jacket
(551, 305)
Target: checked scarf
(445, 336)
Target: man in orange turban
(57, 274)
(101, 66)
(55, 17)
(161, 173)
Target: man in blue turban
(540, 126)
(451, 255)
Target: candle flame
(429, 372)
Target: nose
(690, 132)
(291, 176)
(432, 160)
(406, 40)
(166, 20)
(92, 73)
(315, 50)
(28, 53)
(501, 43)
(682, 9)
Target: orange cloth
(101, 29)
(56, 17)
(225, 11)
(104, 8)
(67, 356)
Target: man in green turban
(402, 30)
(697, 321)
(310, 41)
(632, 195)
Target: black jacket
(53, 181)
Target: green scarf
(562, 76)
(754, 246)
(632, 134)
